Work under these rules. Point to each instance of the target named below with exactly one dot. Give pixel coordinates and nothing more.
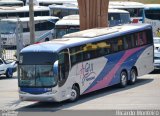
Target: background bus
(50, 2)
(23, 12)
(135, 9)
(44, 29)
(85, 61)
(70, 24)
(63, 10)
(152, 16)
(11, 3)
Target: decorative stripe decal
(108, 78)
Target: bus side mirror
(55, 68)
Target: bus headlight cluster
(21, 92)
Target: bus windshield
(39, 72)
(8, 28)
(37, 75)
(118, 18)
(153, 14)
(135, 12)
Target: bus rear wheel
(123, 79)
(75, 93)
(133, 76)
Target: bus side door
(63, 68)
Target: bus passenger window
(114, 45)
(136, 39)
(133, 40)
(142, 38)
(103, 48)
(120, 44)
(127, 42)
(76, 55)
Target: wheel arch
(77, 85)
(135, 68)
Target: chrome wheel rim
(124, 79)
(133, 76)
(73, 94)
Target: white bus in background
(135, 9)
(64, 9)
(11, 3)
(44, 29)
(66, 25)
(116, 15)
(70, 24)
(50, 2)
(152, 16)
(10, 12)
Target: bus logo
(87, 72)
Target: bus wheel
(9, 73)
(133, 76)
(123, 79)
(74, 94)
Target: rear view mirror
(55, 68)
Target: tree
(93, 13)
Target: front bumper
(46, 97)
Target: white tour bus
(85, 61)
(44, 29)
(50, 2)
(11, 3)
(135, 9)
(70, 24)
(23, 12)
(63, 10)
(152, 16)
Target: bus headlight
(21, 92)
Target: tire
(9, 73)
(123, 79)
(75, 93)
(133, 76)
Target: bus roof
(64, 1)
(75, 7)
(23, 9)
(152, 6)
(84, 37)
(125, 4)
(71, 17)
(26, 19)
(69, 20)
(74, 19)
(65, 6)
(91, 33)
(10, 2)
